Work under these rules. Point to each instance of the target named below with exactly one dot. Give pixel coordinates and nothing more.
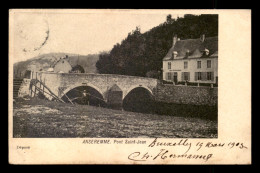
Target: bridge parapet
(61, 83)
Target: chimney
(187, 53)
(174, 54)
(206, 52)
(202, 38)
(175, 39)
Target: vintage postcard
(117, 86)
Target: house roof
(59, 60)
(215, 54)
(195, 47)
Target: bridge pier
(115, 97)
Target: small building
(62, 65)
(192, 60)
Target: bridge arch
(93, 95)
(136, 86)
(138, 99)
(79, 85)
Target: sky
(81, 32)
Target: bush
(166, 82)
(196, 84)
(152, 74)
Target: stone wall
(24, 88)
(186, 94)
(50, 79)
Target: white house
(62, 65)
(192, 60)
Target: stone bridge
(62, 83)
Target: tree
(141, 54)
(153, 74)
(169, 19)
(78, 69)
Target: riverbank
(46, 119)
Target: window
(185, 65)
(186, 76)
(169, 76)
(210, 76)
(208, 63)
(198, 64)
(169, 65)
(199, 75)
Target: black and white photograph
(122, 77)
(154, 79)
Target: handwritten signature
(165, 154)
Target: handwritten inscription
(215, 145)
(165, 154)
(191, 149)
(182, 142)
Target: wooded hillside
(141, 54)
(45, 61)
